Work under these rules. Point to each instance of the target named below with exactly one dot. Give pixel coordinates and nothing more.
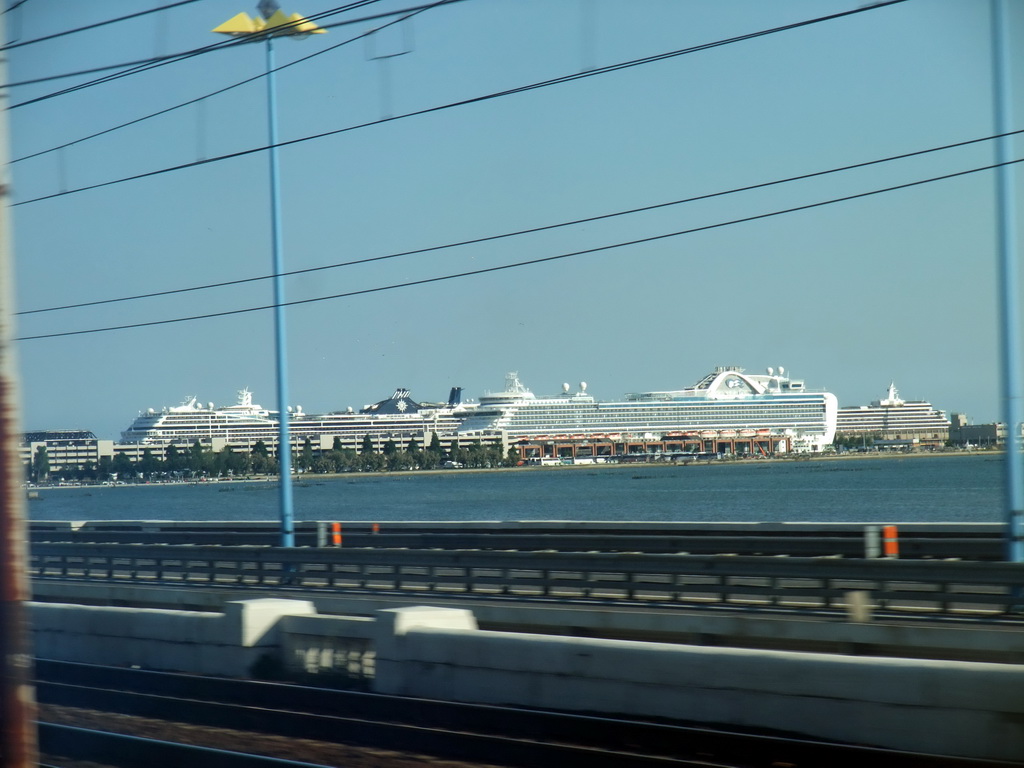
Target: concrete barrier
(329, 646)
(968, 709)
(227, 643)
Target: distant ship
(398, 418)
(726, 405)
(895, 419)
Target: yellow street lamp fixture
(276, 23)
(271, 23)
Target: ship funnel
(455, 396)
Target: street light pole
(284, 445)
(1009, 306)
(274, 23)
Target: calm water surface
(940, 488)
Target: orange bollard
(376, 528)
(336, 534)
(890, 541)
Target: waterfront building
(65, 448)
(990, 435)
(895, 422)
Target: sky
(900, 286)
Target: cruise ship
(397, 418)
(893, 419)
(727, 411)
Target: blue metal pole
(284, 448)
(1009, 305)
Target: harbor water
(943, 488)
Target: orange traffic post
(890, 541)
(336, 534)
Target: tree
(372, 462)
(477, 456)
(400, 461)
(41, 464)
(367, 445)
(174, 461)
(305, 461)
(458, 455)
(122, 466)
(390, 449)
(228, 462)
(343, 460)
(148, 464)
(197, 459)
(321, 465)
(105, 467)
(259, 459)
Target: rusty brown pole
(18, 743)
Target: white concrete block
(254, 622)
(393, 624)
(398, 621)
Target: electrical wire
(13, 6)
(9, 46)
(526, 263)
(464, 102)
(516, 233)
(136, 121)
(170, 58)
(147, 64)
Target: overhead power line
(98, 24)
(149, 64)
(472, 100)
(526, 263)
(13, 6)
(170, 58)
(516, 233)
(261, 75)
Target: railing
(979, 541)
(907, 586)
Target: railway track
(473, 734)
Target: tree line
(199, 461)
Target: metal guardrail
(917, 586)
(916, 540)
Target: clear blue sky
(895, 287)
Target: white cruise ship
(726, 411)
(894, 419)
(397, 418)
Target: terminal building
(895, 423)
(976, 435)
(71, 448)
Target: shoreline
(306, 479)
